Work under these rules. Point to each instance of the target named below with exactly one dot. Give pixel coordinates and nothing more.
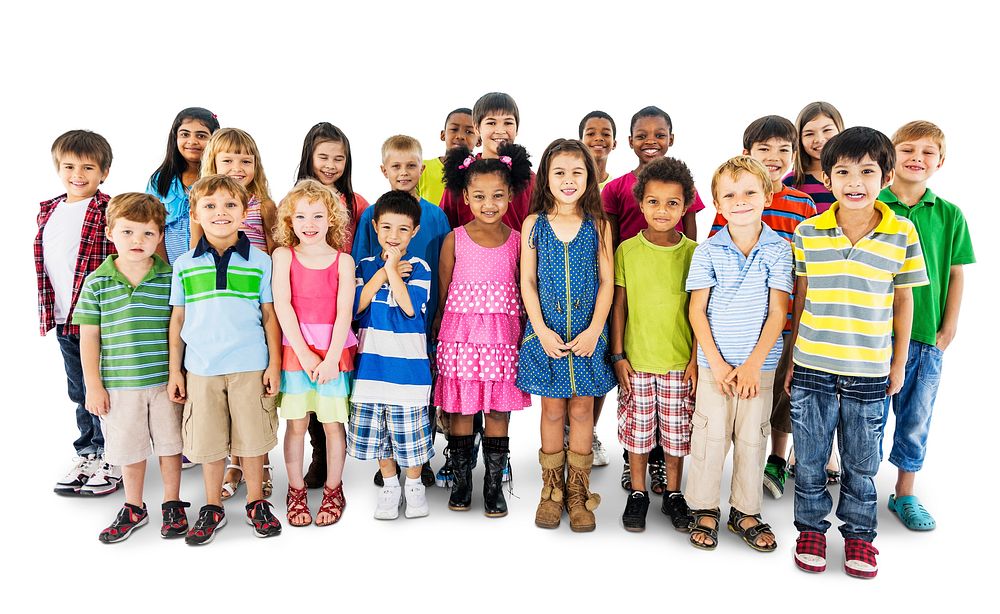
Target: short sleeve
(697, 205)
(779, 275)
(177, 298)
(799, 253)
(913, 272)
(365, 237)
(265, 281)
(701, 275)
(359, 284)
(609, 197)
(88, 309)
(620, 267)
(961, 241)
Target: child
(459, 131)
(389, 420)
(125, 304)
(855, 265)
(567, 281)
(598, 133)
(771, 140)
(71, 243)
(497, 120)
(225, 354)
(817, 123)
(401, 165)
(313, 298)
(480, 324)
(945, 241)
(180, 168)
(651, 339)
(739, 282)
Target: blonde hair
(136, 207)
(312, 191)
(743, 164)
(402, 144)
(912, 131)
(206, 186)
(234, 140)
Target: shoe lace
(580, 494)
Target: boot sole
(494, 514)
(583, 529)
(456, 508)
(547, 525)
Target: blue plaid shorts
(378, 431)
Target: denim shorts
(913, 406)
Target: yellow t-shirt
(431, 184)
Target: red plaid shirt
(94, 249)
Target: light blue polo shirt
(737, 306)
(221, 296)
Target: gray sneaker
(600, 454)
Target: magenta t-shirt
(618, 201)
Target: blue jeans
(91, 439)
(853, 406)
(913, 406)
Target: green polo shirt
(133, 322)
(945, 240)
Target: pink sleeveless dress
(314, 299)
(480, 330)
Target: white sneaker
(104, 481)
(389, 500)
(416, 499)
(83, 467)
(600, 454)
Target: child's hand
(944, 338)
(392, 256)
(326, 371)
(721, 372)
(552, 343)
(404, 268)
(98, 402)
(309, 361)
(584, 343)
(271, 380)
(691, 376)
(897, 374)
(746, 380)
(177, 388)
(436, 327)
(624, 373)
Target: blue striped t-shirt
(737, 306)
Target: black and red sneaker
(211, 518)
(129, 518)
(859, 558)
(259, 516)
(175, 521)
(810, 551)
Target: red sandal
(333, 504)
(297, 502)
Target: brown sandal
(333, 504)
(297, 502)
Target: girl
(818, 122)
(326, 157)
(180, 168)
(567, 283)
(313, 296)
(480, 325)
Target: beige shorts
(228, 414)
(139, 422)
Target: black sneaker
(211, 518)
(129, 519)
(259, 516)
(175, 520)
(427, 474)
(677, 508)
(636, 506)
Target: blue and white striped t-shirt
(737, 307)
(392, 365)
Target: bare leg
(675, 469)
(253, 470)
(212, 475)
(495, 424)
(904, 483)
(460, 424)
(170, 470)
(336, 453)
(134, 476)
(581, 425)
(295, 432)
(553, 418)
(637, 467)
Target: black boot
(460, 458)
(315, 477)
(495, 451)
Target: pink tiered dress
(480, 330)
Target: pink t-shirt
(618, 201)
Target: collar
(100, 198)
(725, 239)
(108, 268)
(887, 225)
(242, 247)
(888, 197)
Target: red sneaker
(810, 551)
(859, 558)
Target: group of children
(192, 315)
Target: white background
(381, 68)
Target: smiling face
(395, 230)
(856, 183)
(80, 176)
(814, 135)
(460, 130)
(310, 222)
(599, 138)
(497, 128)
(917, 161)
(328, 161)
(488, 196)
(220, 215)
(740, 199)
(650, 138)
(134, 241)
(240, 167)
(776, 156)
(402, 169)
(662, 204)
(192, 138)
(567, 178)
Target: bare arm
(698, 316)
(747, 375)
(446, 268)
(952, 305)
(268, 218)
(619, 314)
(330, 367)
(370, 289)
(798, 306)
(397, 285)
(281, 290)
(176, 386)
(272, 333)
(902, 321)
(97, 401)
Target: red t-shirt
(618, 201)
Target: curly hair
(666, 170)
(311, 191)
(458, 173)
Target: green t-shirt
(431, 183)
(945, 241)
(657, 331)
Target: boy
(123, 314)
(71, 244)
(945, 241)
(459, 130)
(651, 339)
(389, 418)
(401, 165)
(225, 335)
(855, 264)
(771, 140)
(739, 282)
(598, 133)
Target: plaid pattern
(810, 551)
(378, 431)
(656, 400)
(859, 558)
(94, 249)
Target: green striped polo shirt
(133, 322)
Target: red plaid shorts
(656, 400)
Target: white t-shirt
(61, 246)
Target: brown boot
(580, 502)
(550, 508)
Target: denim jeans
(91, 439)
(913, 406)
(853, 406)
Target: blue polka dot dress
(568, 279)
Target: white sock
(413, 481)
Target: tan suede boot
(550, 508)
(580, 502)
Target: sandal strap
(333, 502)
